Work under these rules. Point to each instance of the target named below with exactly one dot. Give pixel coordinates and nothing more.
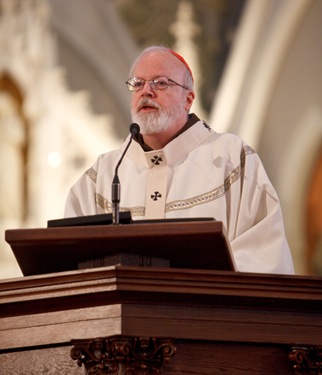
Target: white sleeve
(81, 199)
(260, 244)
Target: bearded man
(178, 168)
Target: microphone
(116, 186)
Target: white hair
(188, 79)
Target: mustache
(147, 102)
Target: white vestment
(198, 174)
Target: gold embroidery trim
(107, 206)
(92, 174)
(104, 203)
(191, 202)
(136, 211)
(215, 193)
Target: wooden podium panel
(222, 322)
(194, 244)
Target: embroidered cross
(156, 160)
(156, 196)
(206, 125)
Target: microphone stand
(116, 186)
(116, 197)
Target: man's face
(158, 110)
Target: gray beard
(157, 122)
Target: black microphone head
(134, 129)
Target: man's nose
(147, 89)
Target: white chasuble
(198, 174)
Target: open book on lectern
(107, 219)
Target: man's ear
(189, 99)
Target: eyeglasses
(158, 83)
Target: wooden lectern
(189, 244)
(187, 318)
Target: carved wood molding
(126, 355)
(308, 359)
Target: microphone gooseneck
(116, 186)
